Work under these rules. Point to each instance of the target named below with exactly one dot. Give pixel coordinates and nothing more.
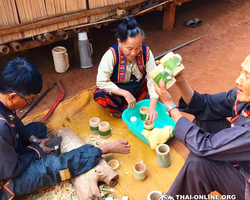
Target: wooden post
(169, 17)
(76, 49)
(86, 184)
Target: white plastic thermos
(85, 50)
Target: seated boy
(24, 156)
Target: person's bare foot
(117, 114)
(120, 146)
(46, 189)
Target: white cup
(120, 12)
(133, 120)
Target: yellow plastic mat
(75, 114)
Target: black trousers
(200, 176)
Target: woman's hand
(130, 100)
(164, 95)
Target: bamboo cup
(140, 171)
(94, 125)
(163, 155)
(104, 129)
(143, 113)
(173, 62)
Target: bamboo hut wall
(25, 12)
(97, 4)
(8, 17)
(20, 11)
(51, 10)
(74, 5)
(29, 10)
(102, 3)
(64, 6)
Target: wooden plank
(169, 17)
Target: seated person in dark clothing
(26, 164)
(219, 158)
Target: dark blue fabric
(24, 132)
(45, 172)
(12, 164)
(210, 107)
(214, 146)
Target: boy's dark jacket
(12, 164)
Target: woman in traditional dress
(122, 74)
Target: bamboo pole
(62, 34)
(50, 37)
(32, 44)
(4, 49)
(16, 46)
(40, 38)
(63, 18)
(77, 30)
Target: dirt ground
(212, 63)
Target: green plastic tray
(162, 120)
